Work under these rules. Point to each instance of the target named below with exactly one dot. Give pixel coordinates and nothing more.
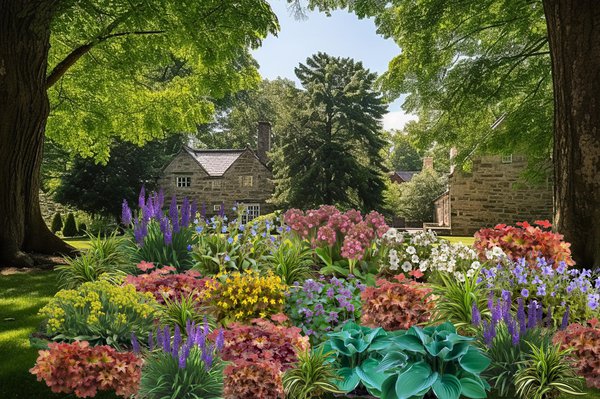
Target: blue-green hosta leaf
(413, 380)
(474, 361)
(423, 335)
(392, 360)
(458, 351)
(349, 381)
(447, 386)
(472, 388)
(369, 375)
(411, 343)
(447, 326)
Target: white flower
(475, 265)
(470, 273)
(411, 250)
(415, 259)
(459, 276)
(406, 266)
(489, 255)
(423, 266)
(497, 251)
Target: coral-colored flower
(145, 266)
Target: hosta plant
(431, 360)
(396, 305)
(311, 377)
(584, 342)
(80, 369)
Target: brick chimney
(427, 163)
(264, 140)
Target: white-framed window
(216, 184)
(245, 181)
(507, 158)
(216, 208)
(184, 181)
(251, 211)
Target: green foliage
(70, 227)
(166, 58)
(332, 153)
(82, 229)
(311, 377)
(454, 299)
(106, 258)
(404, 155)
(292, 260)
(416, 196)
(183, 309)
(57, 223)
(99, 189)
(547, 373)
(163, 379)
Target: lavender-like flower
(167, 339)
(475, 315)
(176, 341)
(489, 333)
(193, 209)
(203, 211)
(168, 236)
(174, 215)
(140, 231)
(160, 201)
(549, 321)
(135, 344)
(150, 341)
(521, 318)
(126, 217)
(220, 341)
(185, 212)
(565, 319)
(532, 317)
(207, 356)
(222, 210)
(142, 198)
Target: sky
(342, 34)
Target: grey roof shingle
(406, 175)
(215, 162)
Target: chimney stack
(427, 163)
(264, 140)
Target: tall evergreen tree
(333, 153)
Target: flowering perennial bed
(319, 303)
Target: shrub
(406, 251)
(57, 223)
(415, 202)
(70, 227)
(265, 340)
(584, 342)
(99, 312)
(319, 307)
(395, 305)
(253, 379)
(311, 377)
(164, 283)
(184, 310)
(82, 229)
(177, 368)
(84, 370)
(105, 259)
(546, 374)
(292, 261)
(244, 296)
(525, 241)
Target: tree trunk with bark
(24, 107)
(574, 37)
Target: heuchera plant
(319, 307)
(585, 343)
(84, 370)
(525, 241)
(165, 283)
(396, 305)
(253, 379)
(342, 241)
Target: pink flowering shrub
(341, 239)
(84, 370)
(165, 283)
(525, 241)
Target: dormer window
(184, 181)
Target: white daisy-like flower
(475, 265)
(415, 259)
(460, 277)
(470, 273)
(411, 250)
(407, 266)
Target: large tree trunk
(24, 44)
(574, 36)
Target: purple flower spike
(174, 214)
(126, 217)
(475, 315)
(203, 211)
(532, 318)
(220, 341)
(135, 344)
(565, 320)
(185, 212)
(168, 235)
(142, 198)
(489, 333)
(150, 341)
(167, 339)
(193, 210)
(521, 316)
(176, 340)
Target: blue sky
(342, 34)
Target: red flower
(543, 223)
(145, 266)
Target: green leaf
(472, 388)
(414, 379)
(369, 374)
(447, 387)
(474, 361)
(349, 381)
(407, 342)
(392, 359)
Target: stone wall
(493, 193)
(227, 189)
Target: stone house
(493, 192)
(223, 177)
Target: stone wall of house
(227, 190)
(493, 193)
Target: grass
(21, 296)
(456, 239)
(79, 243)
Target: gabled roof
(406, 175)
(215, 162)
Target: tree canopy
(332, 155)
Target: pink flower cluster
(84, 370)
(165, 283)
(327, 226)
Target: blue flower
(199, 229)
(227, 258)
(593, 301)
(189, 247)
(224, 229)
(230, 240)
(541, 290)
(525, 292)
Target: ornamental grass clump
(321, 306)
(584, 342)
(80, 369)
(100, 313)
(396, 305)
(183, 364)
(244, 296)
(525, 241)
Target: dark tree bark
(574, 37)
(24, 107)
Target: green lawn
(79, 243)
(455, 239)
(21, 296)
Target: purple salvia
(203, 211)
(149, 209)
(521, 318)
(206, 329)
(164, 224)
(220, 341)
(168, 237)
(490, 302)
(489, 333)
(174, 215)
(565, 319)
(140, 230)
(532, 315)
(539, 314)
(222, 210)
(182, 360)
(126, 213)
(193, 210)
(159, 338)
(135, 344)
(549, 321)
(142, 198)
(150, 341)
(160, 200)
(207, 356)
(176, 340)
(497, 312)
(475, 315)
(185, 212)
(167, 340)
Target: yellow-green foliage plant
(100, 312)
(312, 376)
(243, 296)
